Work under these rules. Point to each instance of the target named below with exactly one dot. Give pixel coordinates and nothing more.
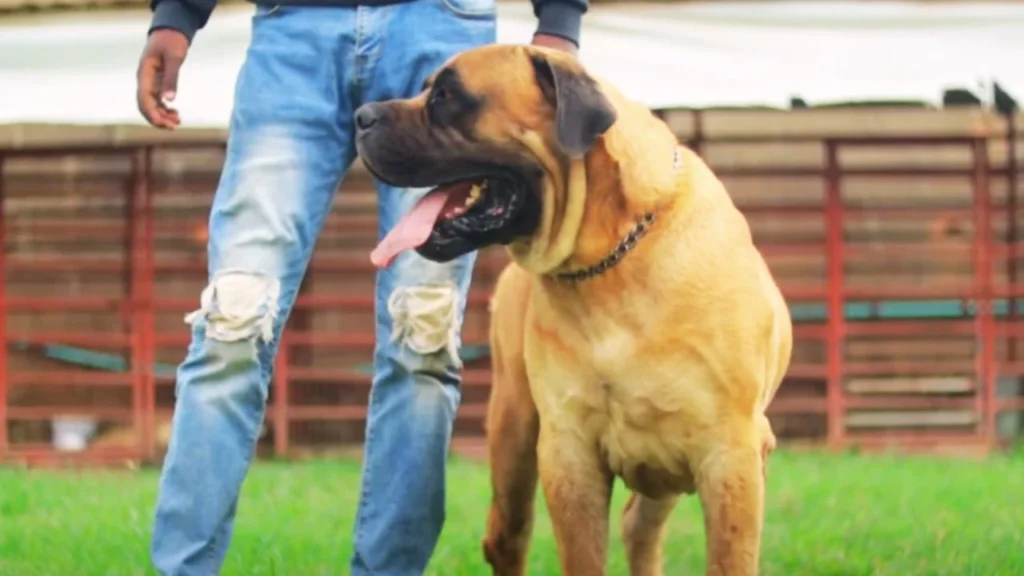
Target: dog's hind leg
(731, 486)
(512, 425)
(767, 442)
(643, 529)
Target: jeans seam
(367, 471)
(453, 9)
(254, 438)
(264, 11)
(358, 59)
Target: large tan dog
(638, 333)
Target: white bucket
(72, 433)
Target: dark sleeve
(559, 17)
(185, 16)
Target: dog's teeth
(474, 194)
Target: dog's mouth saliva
(465, 207)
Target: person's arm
(560, 18)
(185, 16)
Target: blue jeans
(290, 144)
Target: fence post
(835, 255)
(139, 225)
(1011, 227)
(147, 276)
(697, 141)
(131, 280)
(281, 396)
(984, 321)
(4, 442)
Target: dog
(637, 332)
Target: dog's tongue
(414, 228)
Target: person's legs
(419, 313)
(287, 150)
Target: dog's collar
(627, 244)
(643, 224)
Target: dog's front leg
(577, 489)
(731, 487)
(512, 428)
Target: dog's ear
(582, 112)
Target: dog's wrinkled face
(464, 136)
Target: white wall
(80, 68)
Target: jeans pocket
(266, 10)
(472, 8)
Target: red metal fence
(844, 248)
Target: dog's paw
(505, 558)
(489, 552)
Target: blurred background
(874, 147)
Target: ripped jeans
(291, 142)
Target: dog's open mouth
(460, 217)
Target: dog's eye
(438, 95)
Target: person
(309, 65)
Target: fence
(892, 233)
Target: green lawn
(827, 515)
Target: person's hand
(556, 42)
(158, 77)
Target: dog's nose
(366, 117)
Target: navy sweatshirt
(556, 17)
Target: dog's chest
(642, 384)
(637, 405)
(643, 437)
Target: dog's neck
(638, 168)
(593, 204)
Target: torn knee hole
(425, 319)
(238, 305)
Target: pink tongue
(413, 229)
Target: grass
(839, 515)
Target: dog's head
(498, 133)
